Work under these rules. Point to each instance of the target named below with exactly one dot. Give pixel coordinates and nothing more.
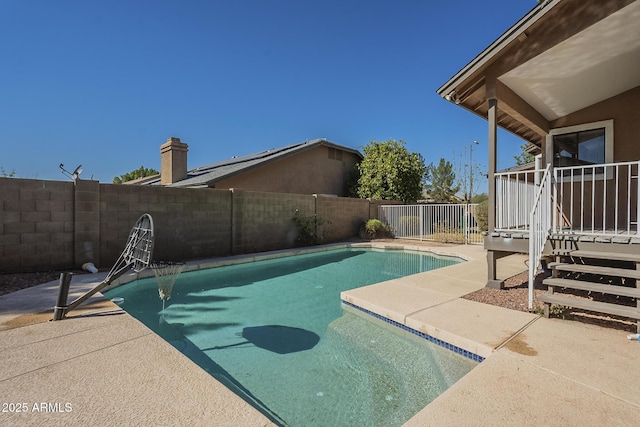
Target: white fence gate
(450, 223)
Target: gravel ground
(514, 295)
(15, 282)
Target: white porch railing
(453, 223)
(540, 225)
(595, 200)
(515, 194)
(600, 200)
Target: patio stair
(602, 282)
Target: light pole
(471, 170)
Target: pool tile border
(461, 351)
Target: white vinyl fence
(450, 223)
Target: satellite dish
(73, 175)
(76, 173)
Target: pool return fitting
(136, 255)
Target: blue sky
(105, 83)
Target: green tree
(5, 174)
(441, 182)
(524, 157)
(141, 172)
(389, 171)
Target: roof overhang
(563, 56)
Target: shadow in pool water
(276, 338)
(186, 347)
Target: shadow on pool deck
(101, 368)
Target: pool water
(276, 334)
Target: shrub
(375, 229)
(409, 222)
(309, 229)
(445, 232)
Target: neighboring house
(565, 78)
(311, 167)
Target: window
(579, 148)
(581, 145)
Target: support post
(493, 145)
(63, 293)
(492, 256)
(492, 268)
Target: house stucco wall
(308, 172)
(623, 109)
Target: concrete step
(599, 307)
(598, 255)
(593, 287)
(594, 269)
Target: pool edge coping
(207, 263)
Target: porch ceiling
(597, 63)
(563, 56)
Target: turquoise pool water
(276, 333)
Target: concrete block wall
(86, 228)
(36, 224)
(264, 221)
(341, 217)
(52, 225)
(189, 223)
(375, 204)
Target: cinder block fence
(51, 225)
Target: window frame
(607, 125)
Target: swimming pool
(275, 332)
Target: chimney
(173, 161)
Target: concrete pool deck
(103, 367)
